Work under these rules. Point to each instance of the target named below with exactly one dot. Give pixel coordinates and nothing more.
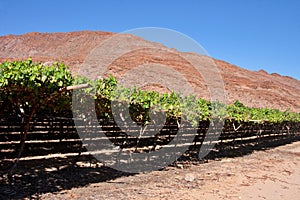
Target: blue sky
(253, 34)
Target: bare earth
(271, 174)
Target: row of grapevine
(26, 88)
(30, 86)
(29, 89)
(36, 88)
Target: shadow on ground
(35, 177)
(238, 148)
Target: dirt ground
(270, 174)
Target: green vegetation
(240, 113)
(29, 87)
(37, 88)
(177, 107)
(32, 86)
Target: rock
(189, 177)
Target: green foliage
(239, 112)
(25, 84)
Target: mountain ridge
(253, 88)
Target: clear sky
(253, 34)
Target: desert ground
(268, 174)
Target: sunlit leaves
(25, 83)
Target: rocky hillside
(102, 53)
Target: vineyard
(40, 108)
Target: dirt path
(271, 174)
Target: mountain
(132, 59)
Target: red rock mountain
(101, 53)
